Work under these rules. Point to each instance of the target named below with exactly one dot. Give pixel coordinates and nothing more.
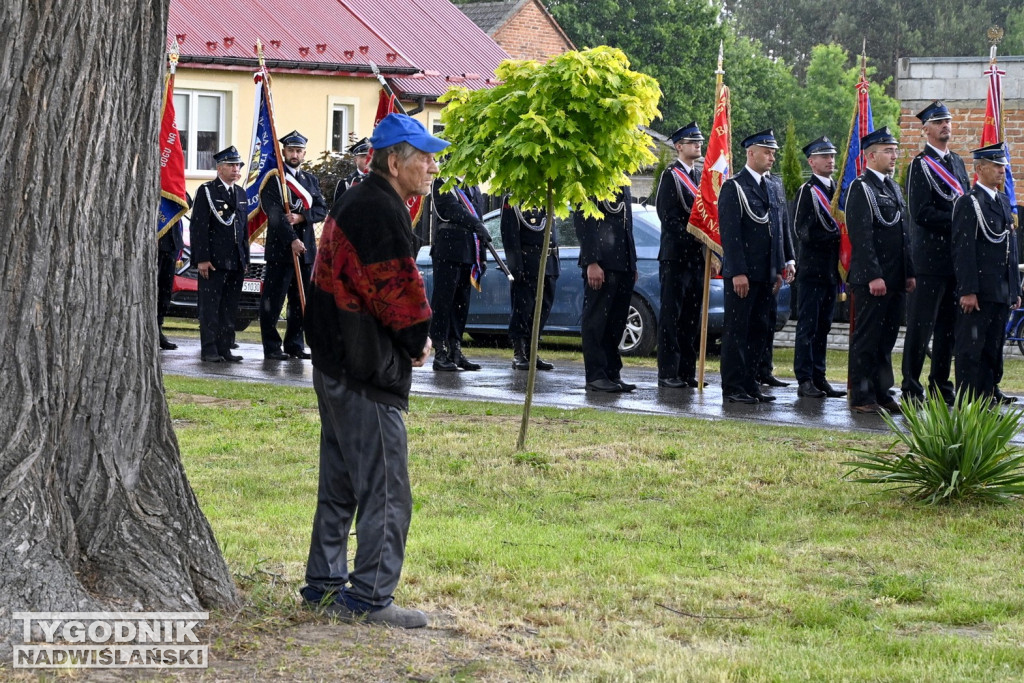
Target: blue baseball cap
(395, 128)
(994, 153)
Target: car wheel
(1018, 333)
(641, 333)
(241, 323)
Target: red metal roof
(315, 32)
(436, 37)
(423, 46)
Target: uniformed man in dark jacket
(818, 277)
(220, 249)
(169, 245)
(937, 177)
(458, 254)
(360, 152)
(765, 372)
(752, 267)
(608, 260)
(987, 279)
(287, 234)
(522, 236)
(881, 271)
(680, 265)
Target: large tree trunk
(95, 508)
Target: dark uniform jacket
(751, 248)
(931, 212)
(281, 233)
(818, 234)
(225, 246)
(454, 228)
(523, 232)
(367, 315)
(674, 203)
(879, 250)
(985, 268)
(347, 183)
(608, 241)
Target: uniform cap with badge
(766, 138)
(229, 155)
(881, 136)
(936, 111)
(820, 146)
(294, 139)
(995, 153)
(360, 148)
(688, 133)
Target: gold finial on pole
(259, 51)
(995, 36)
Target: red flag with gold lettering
(717, 165)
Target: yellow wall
(301, 102)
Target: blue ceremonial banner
(263, 158)
(862, 124)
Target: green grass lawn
(624, 547)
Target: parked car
(185, 291)
(490, 308)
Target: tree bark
(95, 508)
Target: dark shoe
(867, 408)
(739, 398)
(892, 407)
(829, 391)
(672, 383)
(234, 346)
(772, 381)
(762, 397)
(1003, 398)
(626, 386)
(213, 359)
(694, 384)
(808, 390)
(276, 355)
(232, 357)
(298, 354)
(544, 365)
(166, 344)
(398, 617)
(520, 355)
(455, 355)
(605, 385)
(442, 361)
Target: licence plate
(252, 286)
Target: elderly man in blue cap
(881, 271)
(220, 250)
(987, 278)
(366, 323)
(751, 220)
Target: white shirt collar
(825, 180)
(757, 176)
(226, 186)
(989, 190)
(942, 155)
(685, 166)
(881, 176)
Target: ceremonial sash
(943, 173)
(685, 179)
(477, 271)
(301, 193)
(824, 203)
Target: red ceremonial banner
(717, 166)
(173, 202)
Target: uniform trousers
(449, 301)
(815, 303)
(164, 283)
(523, 292)
(876, 326)
(218, 305)
(364, 476)
(931, 315)
(682, 290)
(747, 330)
(279, 280)
(979, 347)
(605, 311)
(765, 363)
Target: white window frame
(350, 105)
(193, 95)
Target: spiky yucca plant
(944, 454)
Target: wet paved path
(560, 388)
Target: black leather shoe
(442, 363)
(467, 364)
(1003, 398)
(234, 346)
(808, 390)
(298, 354)
(892, 407)
(694, 384)
(605, 385)
(739, 398)
(829, 390)
(213, 359)
(520, 363)
(276, 355)
(232, 357)
(772, 381)
(544, 365)
(166, 344)
(626, 386)
(672, 383)
(762, 397)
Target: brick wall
(531, 34)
